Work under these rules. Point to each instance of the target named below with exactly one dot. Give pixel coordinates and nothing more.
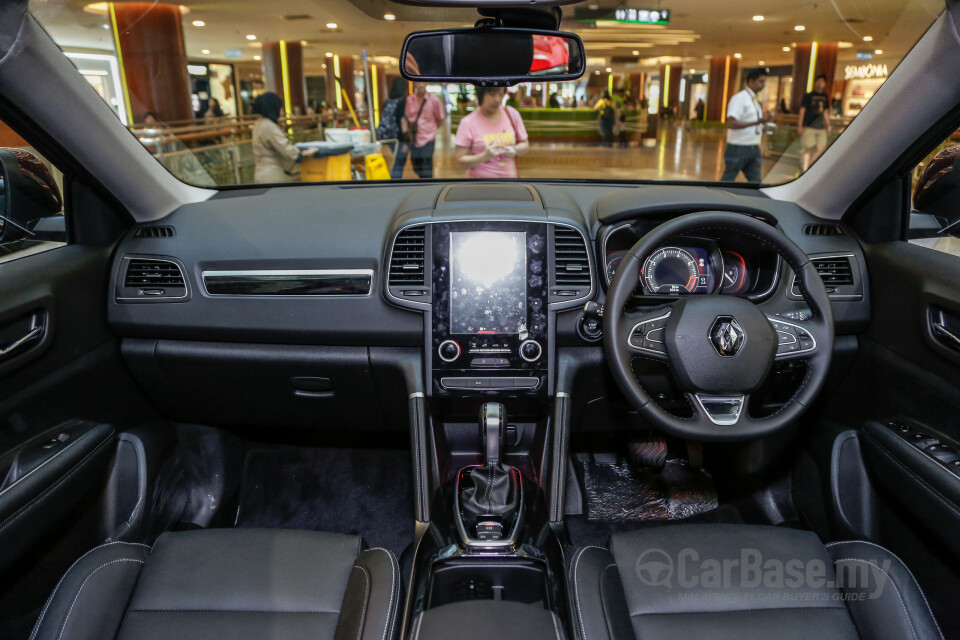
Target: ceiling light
(328, 54)
(758, 18)
(608, 70)
(799, 27)
(786, 49)
(868, 38)
(304, 43)
(596, 73)
(323, 66)
(389, 16)
(593, 7)
(331, 25)
(205, 52)
(878, 52)
(257, 57)
(199, 23)
(737, 56)
(251, 37)
(636, 53)
(761, 63)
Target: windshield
(244, 92)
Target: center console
(490, 293)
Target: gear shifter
(488, 493)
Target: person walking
(608, 113)
(423, 115)
(490, 138)
(745, 120)
(273, 156)
(698, 109)
(813, 123)
(391, 125)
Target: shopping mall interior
(672, 65)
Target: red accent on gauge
(691, 284)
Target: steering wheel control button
(530, 350)
(728, 336)
(792, 338)
(449, 350)
(649, 335)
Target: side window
(935, 199)
(31, 204)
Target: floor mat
(366, 492)
(619, 492)
(587, 533)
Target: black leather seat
(721, 581)
(227, 583)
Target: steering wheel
(719, 348)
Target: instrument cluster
(694, 265)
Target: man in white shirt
(745, 120)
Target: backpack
(389, 128)
(607, 113)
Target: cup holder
(512, 580)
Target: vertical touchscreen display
(488, 282)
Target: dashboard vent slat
(154, 231)
(571, 261)
(408, 258)
(822, 230)
(834, 271)
(143, 272)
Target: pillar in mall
(824, 55)
(341, 66)
(283, 74)
(724, 81)
(670, 75)
(153, 60)
(637, 81)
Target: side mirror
(31, 206)
(492, 56)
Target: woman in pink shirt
(490, 139)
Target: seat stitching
(36, 627)
(902, 564)
(606, 618)
(259, 611)
(416, 630)
(83, 584)
(394, 591)
(366, 599)
(576, 590)
(10, 519)
(675, 613)
(892, 582)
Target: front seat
(743, 582)
(227, 583)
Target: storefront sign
(197, 69)
(864, 71)
(643, 16)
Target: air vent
(155, 231)
(143, 272)
(571, 264)
(835, 272)
(407, 260)
(822, 230)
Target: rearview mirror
(492, 56)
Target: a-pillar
(724, 81)
(824, 55)
(670, 75)
(283, 74)
(148, 37)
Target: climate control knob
(449, 350)
(530, 350)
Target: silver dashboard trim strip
(292, 273)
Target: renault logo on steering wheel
(727, 336)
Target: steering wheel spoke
(721, 410)
(645, 333)
(796, 338)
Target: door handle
(943, 329)
(22, 343)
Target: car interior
(580, 408)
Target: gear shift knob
(493, 426)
